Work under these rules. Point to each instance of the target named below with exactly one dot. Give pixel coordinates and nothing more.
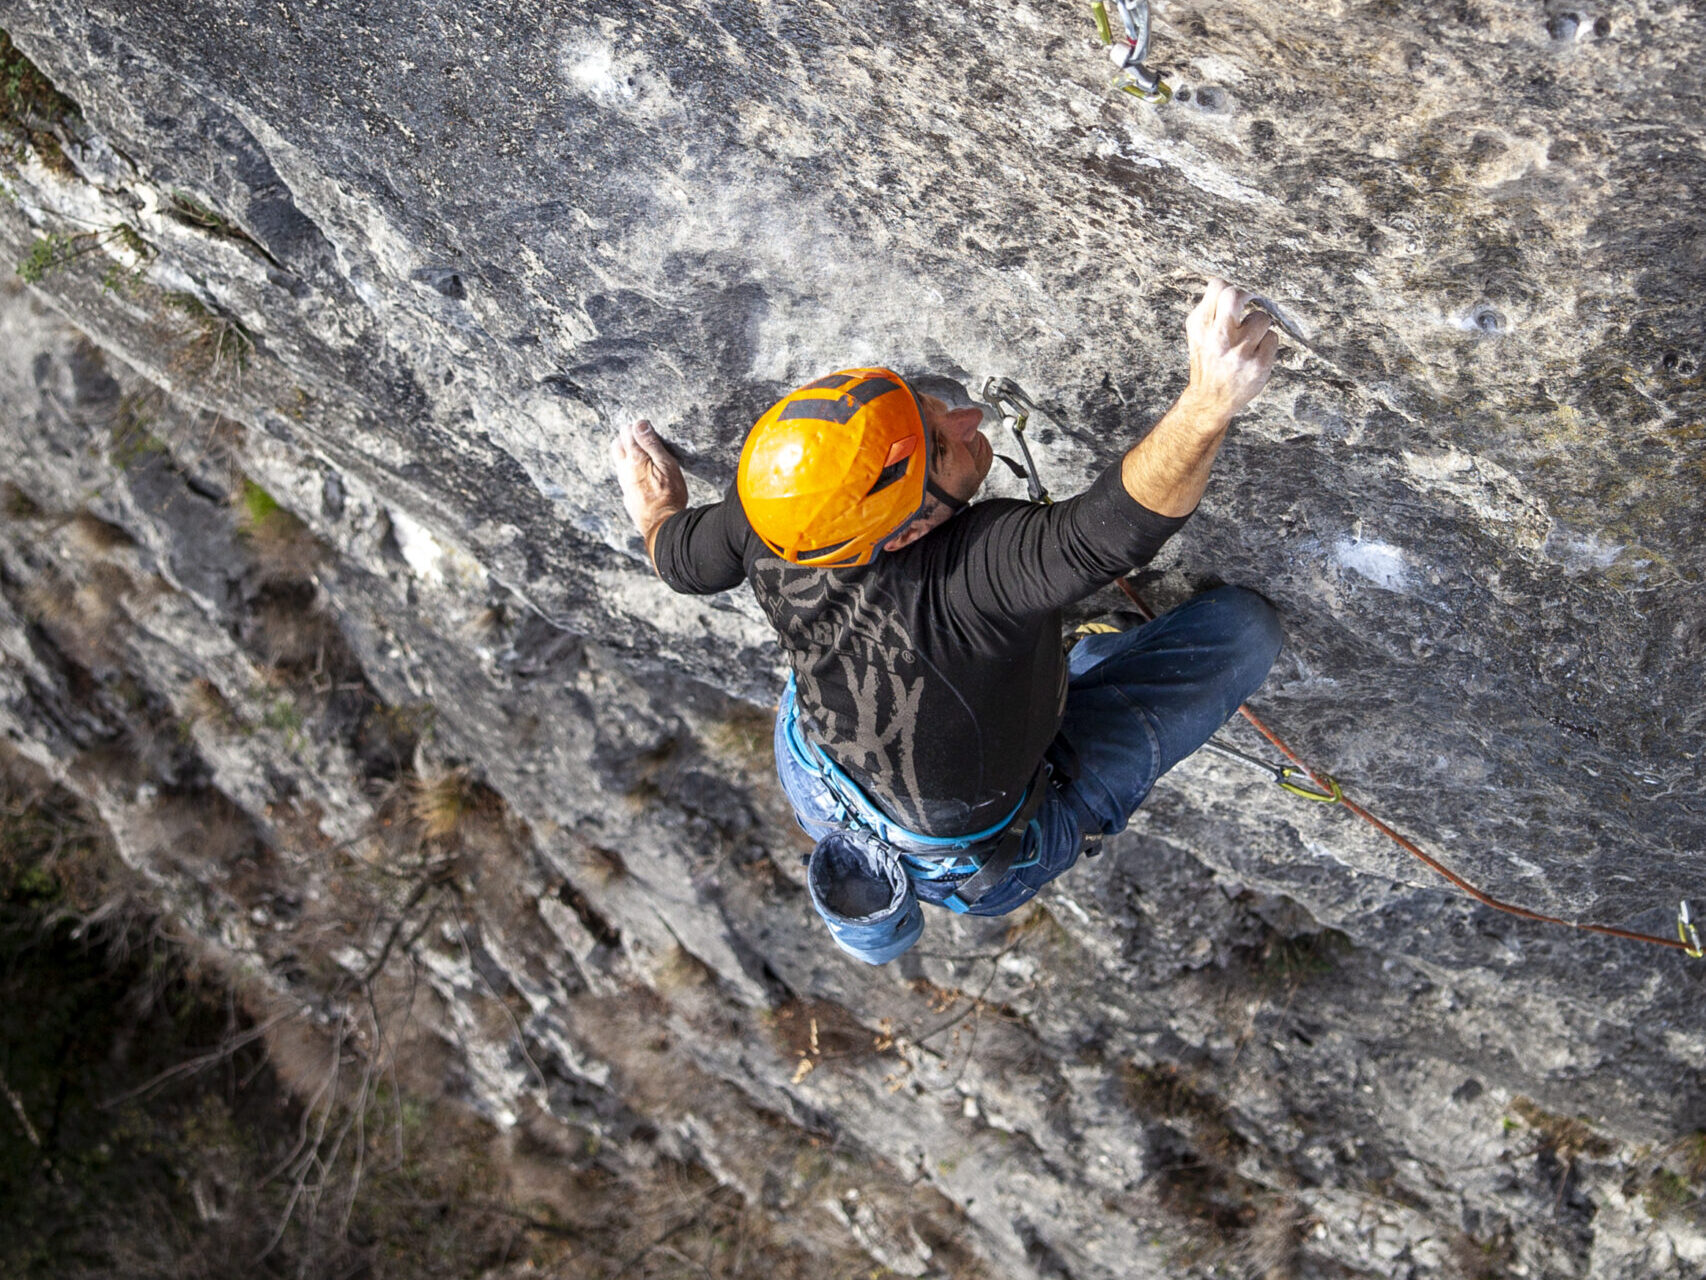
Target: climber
(935, 738)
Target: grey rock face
(404, 267)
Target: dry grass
(213, 347)
(787, 1236)
(204, 702)
(287, 629)
(17, 504)
(600, 866)
(651, 768)
(1489, 1259)
(742, 739)
(812, 1032)
(1270, 1248)
(281, 544)
(1195, 1153)
(95, 537)
(1280, 960)
(205, 832)
(445, 803)
(487, 626)
(82, 619)
(1564, 1136)
(676, 969)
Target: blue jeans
(1137, 703)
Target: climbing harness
(984, 857)
(1009, 400)
(1127, 54)
(1329, 792)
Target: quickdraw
(1015, 408)
(1325, 790)
(1329, 792)
(1127, 54)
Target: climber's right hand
(653, 488)
(1232, 354)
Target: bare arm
(1231, 359)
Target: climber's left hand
(653, 488)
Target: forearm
(649, 526)
(1168, 469)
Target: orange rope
(1323, 782)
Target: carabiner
(1134, 14)
(1104, 28)
(1009, 400)
(1128, 82)
(1283, 774)
(1687, 934)
(1127, 55)
(1332, 795)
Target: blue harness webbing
(923, 857)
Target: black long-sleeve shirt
(934, 675)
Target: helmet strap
(936, 491)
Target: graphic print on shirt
(858, 681)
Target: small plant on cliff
(17, 504)
(1565, 1136)
(444, 802)
(1666, 1193)
(259, 509)
(132, 441)
(1288, 960)
(217, 345)
(1693, 1149)
(1674, 1181)
(27, 95)
(192, 212)
(186, 208)
(283, 546)
(31, 108)
(57, 250)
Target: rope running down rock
(1329, 787)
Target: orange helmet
(835, 467)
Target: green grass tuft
(27, 97)
(257, 505)
(58, 250)
(1665, 1193)
(31, 109)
